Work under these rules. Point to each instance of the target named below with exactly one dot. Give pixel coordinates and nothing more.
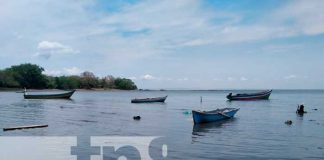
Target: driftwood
(24, 127)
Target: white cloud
(243, 79)
(279, 48)
(46, 49)
(292, 76)
(147, 29)
(64, 71)
(140, 30)
(197, 42)
(46, 45)
(183, 79)
(230, 78)
(73, 71)
(132, 78)
(187, 23)
(148, 77)
(18, 36)
(52, 72)
(43, 55)
(307, 16)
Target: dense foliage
(31, 76)
(125, 84)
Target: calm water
(258, 131)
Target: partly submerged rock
(288, 122)
(137, 117)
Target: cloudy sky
(181, 44)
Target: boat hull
(205, 117)
(66, 95)
(247, 97)
(150, 100)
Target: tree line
(31, 76)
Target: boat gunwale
(65, 95)
(253, 96)
(258, 94)
(217, 111)
(148, 99)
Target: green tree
(68, 82)
(2, 76)
(28, 75)
(125, 84)
(89, 80)
(108, 82)
(51, 82)
(7, 80)
(74, 82)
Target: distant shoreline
(92, 89)
(193, 90)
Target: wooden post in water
(200, 99)
(24, 127)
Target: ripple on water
(257, 132)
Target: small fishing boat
(214, 115)
(66, 95)
(149, 100)
(250, 96)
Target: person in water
(300, 109)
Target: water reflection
(249, 101)
(31, 107)
(197, 129)
(208, 129)
(258, 132)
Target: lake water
(258, 130)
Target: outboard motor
(229, 96)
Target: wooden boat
(66, 95)
(214, 115)
(149, 100)
(250, 96)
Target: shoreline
(148, 90)
(40, 90)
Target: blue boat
(214, 115)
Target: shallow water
(257, 131)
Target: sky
(180, 44)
